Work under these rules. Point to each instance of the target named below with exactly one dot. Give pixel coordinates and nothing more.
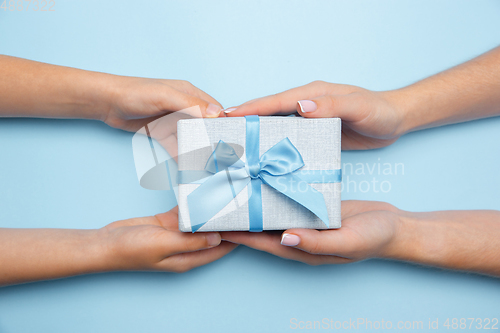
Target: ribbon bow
(278, 167)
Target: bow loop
(281, 159)
(223, 158)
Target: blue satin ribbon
(308, 176)
(225, 176)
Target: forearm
(460, 240)
(34, 89)
(40, 254)
(465, 92)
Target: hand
(136, 101)
(369, 119)
(155, 243)
(368, 230)
(34, 89)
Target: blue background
(80, 174)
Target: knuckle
(331, 100)
(199, 242)
(388, 207)
(192, 245)
(316, 248)
(280, 104)
(190, 86)
(186, 86)
(317, 83)
(277, 101)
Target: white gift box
(316, 139)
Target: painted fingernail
(213, 110)
(307, 105)
(290, 240)
(213, 239)
(229, 110)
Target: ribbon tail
(299, 191)
(215, 194)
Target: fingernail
(307, 106)
(213, 239)
(290, 240)
(229, 110)
(213, 110)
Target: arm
(148, 243)
(377, 119)
(34, 89)
(466, 92)
(459, 240)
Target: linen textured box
(316, 139)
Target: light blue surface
(80, 174)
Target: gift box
(259, 173)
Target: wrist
(100, 97)
(418, 239)
(110, 250)
(404, 104)
(402, 243)
(118, 250)
(97, 252)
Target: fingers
(338, 244)
(171, 146)
(170, 219)
(363, 235)
(177, 100)
(203, 95)
(175, 242)
(190, 89)
(348, 107)
(279, 104)
(148, 220)
(166, 220)
(326, 242)
(344, 245)
(265, 106)
(286, 102)
(261, 240)
(179, 242)
(164, 129)
(186, 261)
(270, 242)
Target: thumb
(180, 242)
(347, 107)
(314, 241)
(181, 101)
